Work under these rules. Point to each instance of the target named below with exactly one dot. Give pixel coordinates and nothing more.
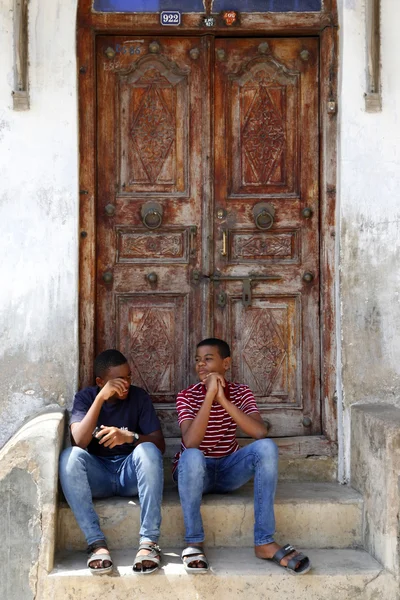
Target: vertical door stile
(208, 187)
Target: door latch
(246, 281)
(221, 299)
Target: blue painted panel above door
(267, 5)
(198, 6)
(147, 5)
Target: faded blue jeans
(85, 476)
(197, 475)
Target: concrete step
(235, 574)
(311, 515)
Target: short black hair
(223, 347)
(107, 359)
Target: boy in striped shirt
(211, 460)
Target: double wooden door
(207, 215)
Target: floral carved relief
(151, 345)
(153, 132)
(263, 135)
(264, 349)
(261, 246)
(150, 245)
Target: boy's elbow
(190, 444)
(262, 433)
(79, 443)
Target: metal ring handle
(264, 214)
(152, 215)
(264, 220)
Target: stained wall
(39, 217)
(369, 217)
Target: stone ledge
(308, 514)
(235, 574)
(375, 470)
(28, 496)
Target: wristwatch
(135, 437)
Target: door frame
(323, 25)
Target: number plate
(170, 17)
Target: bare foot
(269, 550)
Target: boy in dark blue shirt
(117, 451)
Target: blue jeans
(197, 475)
(85, 476)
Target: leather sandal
(192, 554)
(154, 556)
(103, 557)
(298, 565)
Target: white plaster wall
(369, 191)
(39, 217)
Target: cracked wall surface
(21, 531)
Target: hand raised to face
(118, 387)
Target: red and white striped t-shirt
(220, 437)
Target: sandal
(298, 565)
(153, 556)
(192, 554)
(104, 558)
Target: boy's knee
(267, 449)
(147, 453)
(69, 458)
(193, 460)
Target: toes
(197, 564)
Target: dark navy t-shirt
(135, 413)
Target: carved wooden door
(207, 158)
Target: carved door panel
(266, 224)
(151, 103)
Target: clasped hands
(215, 384)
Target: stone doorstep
(305, 465)
(235, 574)
(313, 515)
(294, 469)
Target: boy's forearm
(82, 431)
(195, 432)
(252, 427)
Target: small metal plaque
(209, 21)
(170, 17)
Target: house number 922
(170, 17)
